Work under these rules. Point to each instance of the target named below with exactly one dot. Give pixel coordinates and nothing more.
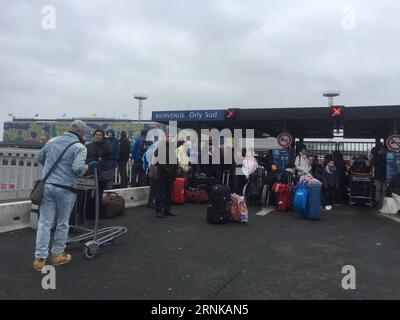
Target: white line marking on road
(265, 211)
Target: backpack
(256, 180)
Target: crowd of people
(332, 171)
(68, 156)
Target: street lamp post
(330, 94)
(141, 98)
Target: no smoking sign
(285, 140)
(393, 143)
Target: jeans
(380, 190)
(57, 204)
(238, 183)
(152, 190)
(329, 196)
(163, 190)
(123, 174)
(138, 174)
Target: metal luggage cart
(361, 189)
(94, 239)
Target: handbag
(36, 195)
(113, 205)
(389, 206)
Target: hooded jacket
(72, 164)
(112, 163)
(330, 177)
(97, 150)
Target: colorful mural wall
(39, 132)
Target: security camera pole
(140, 97)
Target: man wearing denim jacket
(59, 193)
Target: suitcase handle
(112, 195)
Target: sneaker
(60, 259)
(328, 208)
(171, 214)
(38, 264)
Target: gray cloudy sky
(202, 54)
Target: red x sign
(336, 111)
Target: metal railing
(349, 149)
(20, 168)
(354, 149)
(320, 148)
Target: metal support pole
(97, 204)
(395, 126)
(140, 115)
(199, 149)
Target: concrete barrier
(18, 215)
(14, 215)
(134, 197)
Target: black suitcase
(219, 194)
(219, 198)
(202, 183)
(217, 215)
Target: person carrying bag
(36, 195)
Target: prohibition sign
(285, 140)
(393, 143)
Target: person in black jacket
(124, 152)
(343, 183)
(164, 174)
(379, 157)
(100, 150)
(330, 183)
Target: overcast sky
(195, 54)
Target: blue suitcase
(313, 208)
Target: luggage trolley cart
(93, 239)
(361, 188)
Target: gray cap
(78, 126)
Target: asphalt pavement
(277, 256)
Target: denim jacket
(72, 164)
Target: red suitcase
(178, 191)
(284, 196)
(196, 196)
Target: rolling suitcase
(196, 196)
(284, 196)
(218, 207)
(313, 207)
(202, 182)
(217, 215)
(178, 191)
